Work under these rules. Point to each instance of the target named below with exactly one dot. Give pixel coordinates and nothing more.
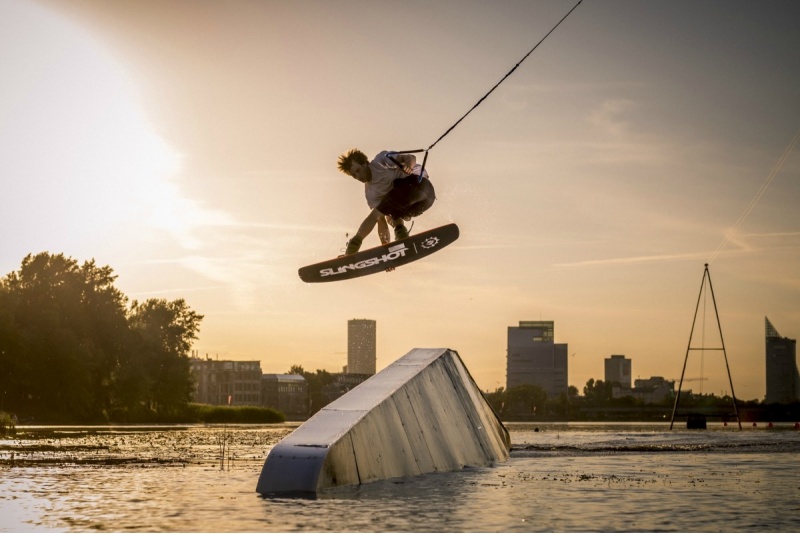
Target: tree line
(531, 403)
(317, 383)
(74, 349)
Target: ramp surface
(424, 413)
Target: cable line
(478, 103)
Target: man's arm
(406, 161)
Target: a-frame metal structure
(706, 279)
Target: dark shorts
(408, 198)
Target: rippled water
(574, 477)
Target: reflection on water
(561, 478)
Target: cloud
(764, 186)
(743, 244)
(612, 116)
(636, 259)
(773, 234)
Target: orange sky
(191, 146)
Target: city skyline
(192, 147)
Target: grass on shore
(204, 413)
(7, 425)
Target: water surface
(560, 477)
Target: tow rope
(478, 103)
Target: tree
(497, 400)
(163, 332)
(61, 326)
(528, 400)
(316, 382)
(71, 350)
(597, 393)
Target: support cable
(484, 97)
(478, 103)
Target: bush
(234, 414)
(7, 424)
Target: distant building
(286, 393)
(533, 358)
(783, 380)
(361, 347)
(618, 374)
(343, 383)
(222, 382)
(653, 390)
(618, 371)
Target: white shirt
(384, 173)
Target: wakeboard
(381, 258)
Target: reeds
(7, 424)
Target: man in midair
(394, 189)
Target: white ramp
(424, 413)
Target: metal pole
(724, 352)
(688, 348)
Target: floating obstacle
(422, 414)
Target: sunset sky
(192, 147)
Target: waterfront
(564, 477)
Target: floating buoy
(755, 424)
(769, 425)
(725, 423)
(797, 426)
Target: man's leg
(423, 199)
(363, 231)
(400, 231)
(398, 223)
(409, 198)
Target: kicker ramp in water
(424, 413)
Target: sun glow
(86, 162)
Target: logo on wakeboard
(430, 242)
(395, 252)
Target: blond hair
(347, 159)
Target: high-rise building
(783, 379)
(535, 359)
(618, 371)
(361, 346)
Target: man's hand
(408, 161)
(405, 162)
